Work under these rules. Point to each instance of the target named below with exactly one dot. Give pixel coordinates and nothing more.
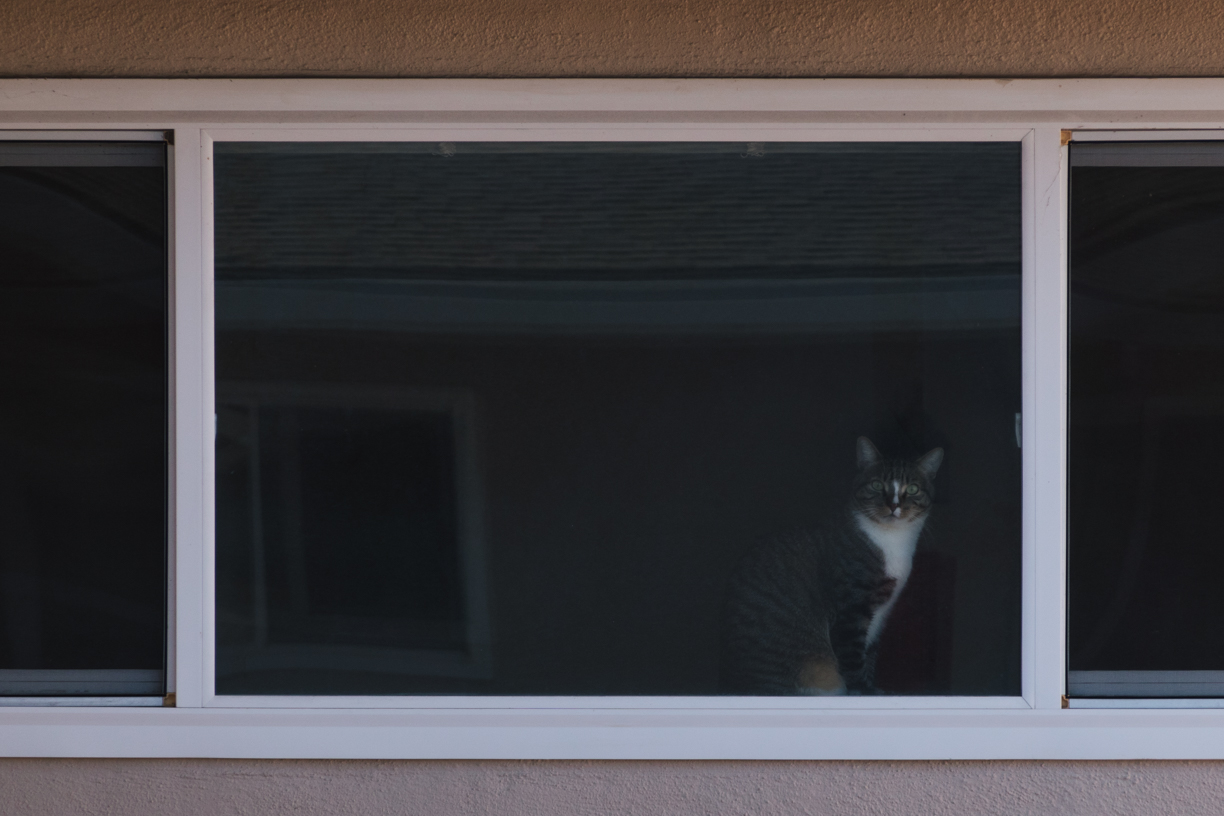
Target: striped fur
(804, 611)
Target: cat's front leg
(862, 682)
(850, 644)
(866, 678)
(881, 593)
(879, 600)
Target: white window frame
(1040, 115)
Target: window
(83, 430)
(669, 351)
(1144, 368)
(464, 405)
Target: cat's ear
(930, 462)
(868, 454)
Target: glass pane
(83, 418)
(569, 419)
(1146, 403)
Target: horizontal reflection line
(629, 306)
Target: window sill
(613, 734)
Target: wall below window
(530, 38)
(34, 787)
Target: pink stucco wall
(210, 787)
(601, 38)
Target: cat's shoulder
(780, 548)
(807, 545)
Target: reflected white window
(364, 551)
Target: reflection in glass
(509, 418)
(1146, 402)
(360, 519)
(83, 418)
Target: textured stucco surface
(480, 38)
(269, 788)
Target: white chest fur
(896, 542)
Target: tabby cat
(804, 612)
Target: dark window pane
(83, 423)
(1146, 402)
(535, 418)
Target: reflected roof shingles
(540, 215)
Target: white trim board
(153, 98)
(382, 734)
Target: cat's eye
(877, 485)
(911, 489)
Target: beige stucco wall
(425, 38)
(611, 38)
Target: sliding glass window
(83, 418)
(1146, 420)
